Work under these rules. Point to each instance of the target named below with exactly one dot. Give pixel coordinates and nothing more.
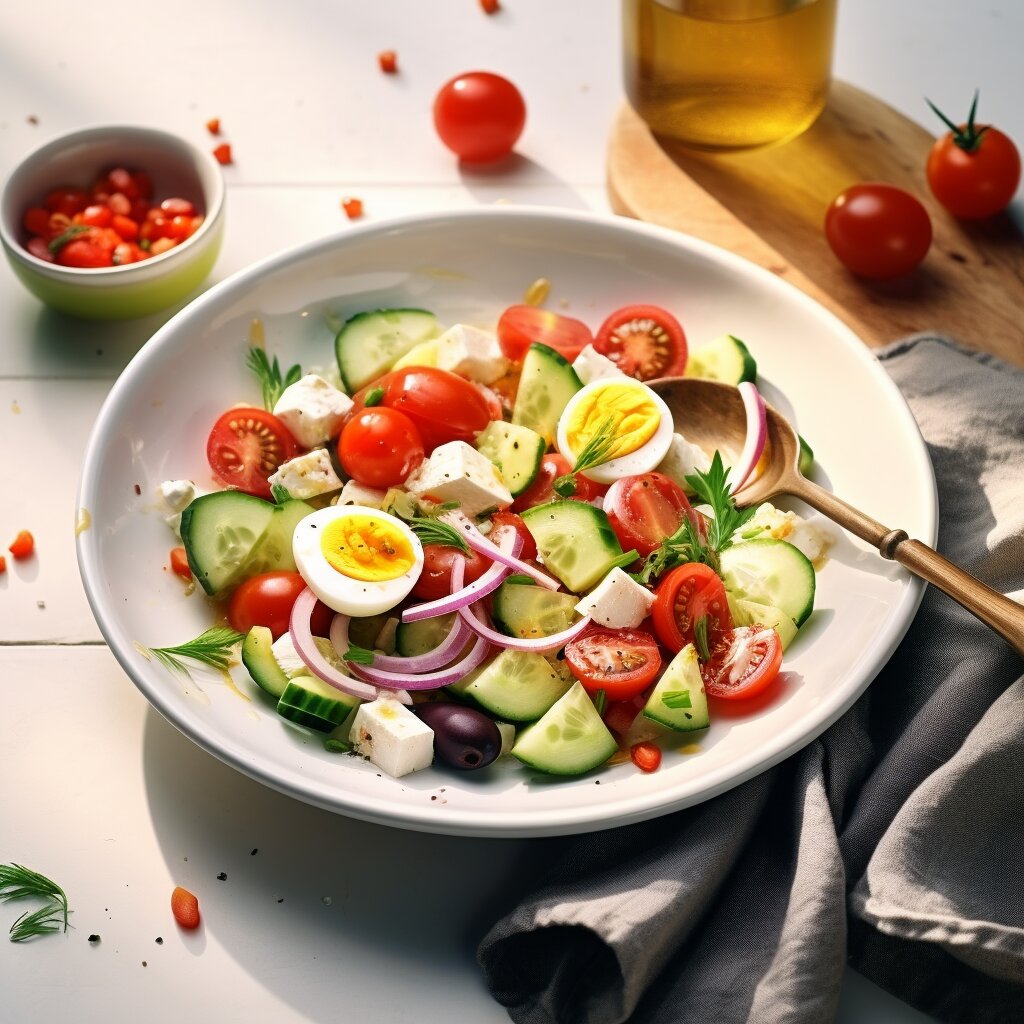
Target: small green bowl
(176, 167)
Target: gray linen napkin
(894, 841)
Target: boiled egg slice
(358, 561)
(636, 420)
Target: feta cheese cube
(312, 409)
(806, 536)
(682, 460)
(471, 353)
(306, 475)
(392, 737)
(456, 471)
(173, 497)
(617, 601)
(590, 365)
(355, 493)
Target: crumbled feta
(682, 460)
(355, 493)
(471, 353)
(617, 601)
(392, 737)
(306, 475)
(806, 536)
(312, 409)
(174, 496)
(456, 471)
(590, 365)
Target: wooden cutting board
(769, 205)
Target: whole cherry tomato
(520, 326)
(479, 116)
(265, 600)
(380, 447)
(443, 406)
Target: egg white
(646, 458)
(341, 592)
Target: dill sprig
(269, 375)
(687, 544)
(211, 648)
(595, 452)
(433, 531)
(18, 882)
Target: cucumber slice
(529, 611)
(806, 462)
(575, 540)
(368, 344)
(311, 702)
(517, 686)
(569, 739)
(516, 451)
(751, 613)
(364, 630)
(679, 701)
(770, 572)
(219, 532)
(258, 658)
(726, 359)
(545, 386)
(273, 551)
(424, 635)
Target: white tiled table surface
(330, 917)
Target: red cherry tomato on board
(443, 406)
(643, 510)
(479, 116)
(380, 447)
(744, 662)
(622, 662)
(973, 170)
(685, 595)
(520, 326)
(644, 341)
(246, 446)
(878, 231)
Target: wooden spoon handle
(1000, 613)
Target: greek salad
(465, 544)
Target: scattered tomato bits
(490, 6)
(388, 61)
(179, 563)
(3, 565)
(646, 756)
(23, 545)
(223, 154)
(185, 908)
(213, 126)
(353, 207)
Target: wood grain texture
(769, 205)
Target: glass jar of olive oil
(728, 74)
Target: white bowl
(467, 267)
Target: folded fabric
(892, 842)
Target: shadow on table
(315, 885)
(502, 179)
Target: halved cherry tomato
(520, 326)
(479, 116)
(644, 341)
(541, 491)
(185, 908)
(265, 600)
(622, 662)
(646, 756)
(246, 445)
(380, 447)
(506, 518)
(179, 563)
(685, 595)
(643, 510)
(436, 579)
(444, 406)
(744, 662)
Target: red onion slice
(478, 542)
(307, 650)
(432, 659)
(757, 436)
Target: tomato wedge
(622, 662)
(743, 663)
(645, 341)
(685, 595)
(643, 510)
(520, 326)
(246, 446)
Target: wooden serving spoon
(712, 415)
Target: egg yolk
(366, 548)
(627, 413)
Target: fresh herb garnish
(211, 648)
(18, 882)
(279, 493)
(373, 397)
(357, 654)
(55, 245)
(433, 531)
(700, 638)
(269, 374)
(595, 452)
(676, 699)
(687, 544)
(333, 746)
(600, 701)
(968, 137)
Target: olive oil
(728, 74)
